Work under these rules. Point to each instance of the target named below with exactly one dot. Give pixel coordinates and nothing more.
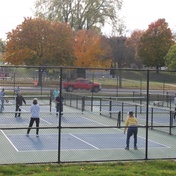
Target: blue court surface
(74, 141)
(112, 139)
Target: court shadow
(36, 142)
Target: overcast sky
(12, 13)
(138, 14)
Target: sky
(137, 14)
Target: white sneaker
(27, 135)
(37, 135)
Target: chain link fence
(96, 104)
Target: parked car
(4, 75)
(81, 83)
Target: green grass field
(138, 80)
(129, 79)
(144, 168)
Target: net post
(172, 114)
(119, 119)
(100, 105)
(110, 107)
(50, 100)
(83, 104)
(151, 118)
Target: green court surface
(85, 136)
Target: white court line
(122, 130)
(9, 141)
(73, 149)
(93, 121)
(155, 142)
(46, 121)
(23, 110)
(84, 141)
(100, 123)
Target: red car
(81, 83)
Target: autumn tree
(89, 50)
(155, 43)
(40, 42)
(80, 14)
(171, 58)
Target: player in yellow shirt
(131, 125)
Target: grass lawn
(144, 168)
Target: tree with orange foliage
(155, 43)
(89, 51)
(40, 42)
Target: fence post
(59, 126)
(147, 113)
(83, 103)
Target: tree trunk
(40, 76)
